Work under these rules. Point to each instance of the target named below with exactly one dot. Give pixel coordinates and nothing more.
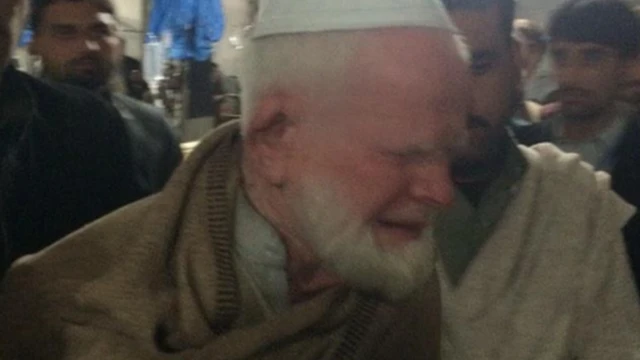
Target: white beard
(347, 246)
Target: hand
(11, 17)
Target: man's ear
(269, 138)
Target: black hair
(610, 23)
(507, 11)
(38, 8)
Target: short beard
(89, 83)
(485, 161)
(347, 246)
(97, 81)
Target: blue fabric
(25, 38)
(194, 26)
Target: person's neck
(305, 273)
(483, 169)
(589, 127)
(103, 90)
(474, 177)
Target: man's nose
(432, 184)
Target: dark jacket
(67, 158)
(625, 176)
(155, 148)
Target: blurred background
(539, 10)
(197, 80)
(134, 15)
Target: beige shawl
(553, 280)
(157, 280)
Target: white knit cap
(302, 16)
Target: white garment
(278, 17)
(259, 249)
(553, 281)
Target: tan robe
(552, 281)
(157, 280)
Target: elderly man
(533, 264)
(304, 235)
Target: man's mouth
(405, 228)
(85, 64)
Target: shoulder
(141, 231)
(72, 283)
(70, 109)
(69, 116)
(553, 163)
(64, 98)
(564, 177)
(146, 121)
(89, 250)
(92, 253)
(139, 108)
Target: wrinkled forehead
(410, 60)
(410, 84)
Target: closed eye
(480, 68)
(482, 62)
(415, 155)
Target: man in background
(137, 87)
(78, 46)
(592, 43)
(630, 80)
(532, 261)
(65, 155)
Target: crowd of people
(426, 179)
